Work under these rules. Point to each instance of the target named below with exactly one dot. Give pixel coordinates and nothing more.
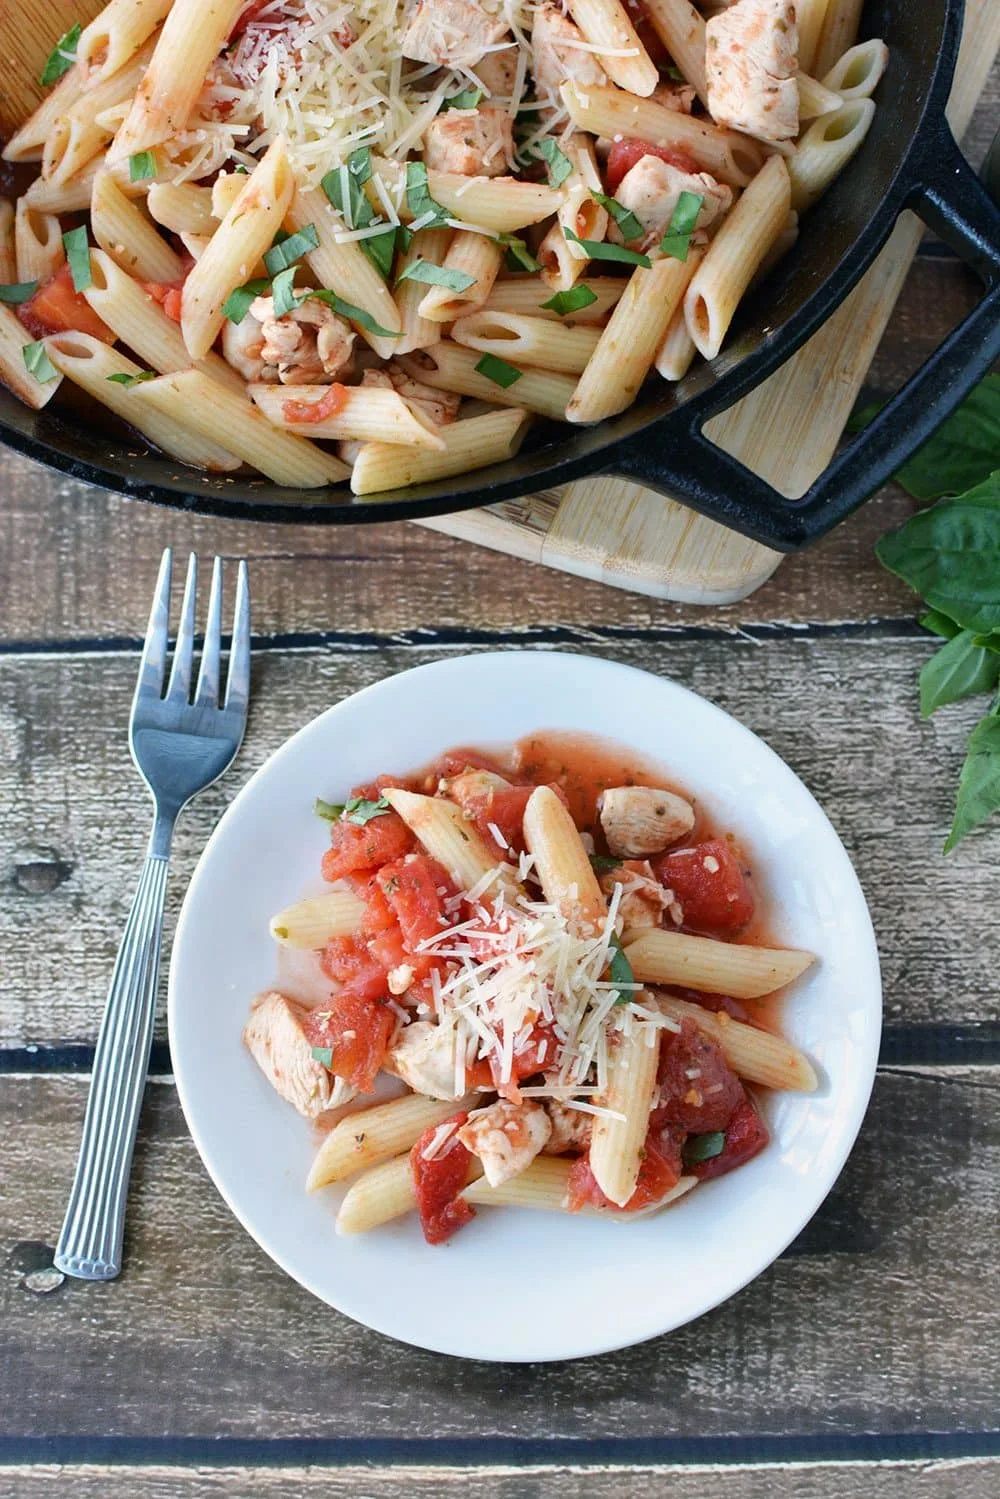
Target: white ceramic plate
(516, 1284)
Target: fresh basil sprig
(598, 249)
(62, 57)
(358, 809)
(620, 970)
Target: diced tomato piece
(639, 17)
(454, 762)
(343, 958)
(659, 1173)
(416, 888)
(390, 950)
(357, 1027)
(378, 916)
(746, 1136)
(57, 308)
(624, 154)
(438, 1183)
(249, 13)
(365, 847)
(698, 1089)
(538, 1051)
(329, 403)
(505, 810)
(711, 886)
(370, 791)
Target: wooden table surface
(865, 1362)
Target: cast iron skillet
(910, 160)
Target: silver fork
(179, 747)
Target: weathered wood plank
(964, 1479)
(842, 711)
(882, 1318)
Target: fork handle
(90, 1245)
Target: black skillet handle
(950, 199)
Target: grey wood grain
(970, 1479)
(882, 1318)
(842, 711)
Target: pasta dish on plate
(561, 961)
(373, 241)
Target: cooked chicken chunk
(506, 1137)
(447, 32)
(275, 1039)
(651, 190)
(554, 62)
(571, 1128)
(498, 70)
(471, 142)
(439, 406)
(310, 345)
(242, 343)
(751, 62)
(643, 898)
(679, 97)
(640, 820)
(424, 1057)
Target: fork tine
(180, 675)
(207, 695)
(154, 649)
(238, 680)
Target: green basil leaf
(499, 371)
(939, 624)
(291, 249)
(517, 257)
(329, 811)
(603, 863)
(241, 169)
(703, 1147)
(38, 363)
(979, 783)
(436, 275)
(418, 196)
(283, 292)
(381, 251)
(559, 165)
(573, 300)
(674, 73)
(359, 164)
(620, 970)
(18, 291)
(237, 304)
(62, 57)
(122, 378)
(962, 453)
(352, 313)
(141, 166)
(960, 669)
(862, 415)
(467, 99)
(598, 250)
(987, 642)
(624, 217)
(677, 240)
(404, 237)
(950, 555)
(356, 210)
(360, 810)
(323, 1054)
(78, 256)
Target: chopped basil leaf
(674, 73)
(518, 257)
(360, 810)
(565, 302)
(703, 1147)
(621, 970)
(418, 196)
(280, 256)
(38, 363)
(626, 220)
(467, 99)
(603, 864)
(436, 275)
(122, 378)
(78, 256)
(381, 250)
(404, 237)
(237, 304)
(18, 291)
(280, 235)
(61, 58)
(241, 169)
(323, 1054)
(283, 292)
(352, 313)
(359, 164)
(357, 212)
(677, 239)
(598, 250)
(499, 371)
(559, 165)
(329, 811)
(141, 166)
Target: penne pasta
(676, 352)
(472, 443)
(115, 35)
(815, 98)
(501, 204)
(65, 197)
(385, 1192)
(468, 255)
(606, 25)
(344, 268)
(363, 414)
(182, 207)
(563, 261)
(13, 370)
(28, 142)
(561, 861)
(756, 1055)
(38, 246)
(313, 922)
(448, 366)
(616, 1143)
(681, 29)
(370, 1136)
(125, 234)
(856, 75)
(527, 296)
(528, 340)
(431, 246)
(8, 254)
(825, 150)
(543, 1185)
(838, 32)
(733, 968)
(217, 413)
(443, 830)
(78, 136)
(809, 14)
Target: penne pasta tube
(606, 25)
(443, 830)
(70, 196)
(363, 414)
(418, 332)
(473, 443)
(786, 239)
(448, 366)
(502, 204)
(13, 371)
(856, 75)
(544, 1184)
(125, 234)
(824, 150)
(247, 230)
(385, 1192)
(91, 364)
(629, 343)
(225, 190)
(562, 261)
(38, 246)
(561, 862)
(193, 31)
(344, 268)
(681, 29)
(733, 968)
(838, 32)
(28, 142)
(677, 351)
(809, 14)
(528, 340)
(471, 255)
(815, 98)
(313, 922)
(78, 135)
(115, 35)
(527, 295)
(729, 156)
(370, 1136)
(731, 260)
(616, 1143)
(757, 1055)
(195, 244)
(8, 254)
(182, 207)
(216, 413)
